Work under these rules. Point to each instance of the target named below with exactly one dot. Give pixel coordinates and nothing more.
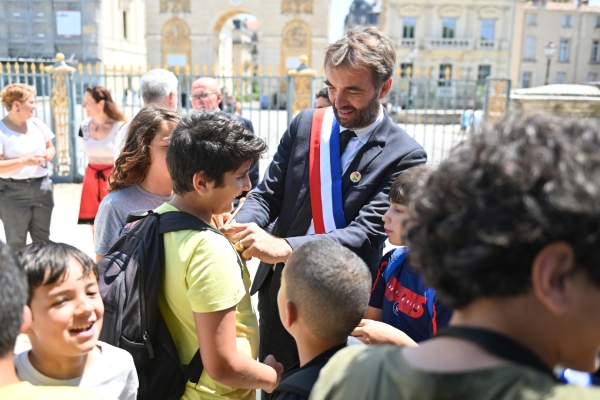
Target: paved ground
(63, 227)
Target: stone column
(63, 104)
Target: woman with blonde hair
(98, 132)
(26, 191)
(140, 179)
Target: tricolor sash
(325, 172)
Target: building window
(124, 24)
(448, 28)
(404, 70)
(529, 48)
(592, 77)
(597, 22)
(531, 19)
(445, 68)
(408, 28)
(526, 80)
(595, 51)
(561, 77)
(482, 73)
(567, 21)
(563, 51)
(488, 29)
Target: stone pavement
(63, 227)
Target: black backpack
(130, 280)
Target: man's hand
(375, 332)
(252, 241)
(278, 367)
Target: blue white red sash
(325, 173)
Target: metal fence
(436, 112)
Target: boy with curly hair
(507, 231)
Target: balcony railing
(487, 45)
(448, 44)
(406, 43)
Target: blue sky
(337, 14)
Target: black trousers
(274, 339)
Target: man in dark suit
(374, 151)
(206, 94)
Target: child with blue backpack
(402, 308)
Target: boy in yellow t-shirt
(205, 297)
(15, 316)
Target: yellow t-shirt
(26, 391)
(202, 275)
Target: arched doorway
(295, 42)
(176, 43)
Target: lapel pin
(355, 177)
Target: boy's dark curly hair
(213, 142)
(502, 196)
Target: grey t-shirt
(113, 211)
(113, 378)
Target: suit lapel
(368, 152)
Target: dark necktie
(345, 137)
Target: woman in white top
(98, 133)
(26, 192)
(140, 180)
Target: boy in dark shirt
(323, 295)
(402, 309)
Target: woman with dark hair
(98, 132)
(140, 179)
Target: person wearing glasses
(99, 133)
(206, 95)
(26, 191)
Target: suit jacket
(254, 175)
(388, 152)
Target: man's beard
(361, 118)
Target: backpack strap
(302, 382)
(498, 345)
(137, 215)
(197, 368)
(399, 255)
(181, 221)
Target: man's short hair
(323, 93)
(13, 297)
(408, 182)
(330, 287)
(366, 48)
(209, 141)
(499, 198)
(45, 263)
(157, 84)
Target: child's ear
(551, 276)
(27, 318)
(200, 183)
(291, 313)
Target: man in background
(157, 86)
(206, 95)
